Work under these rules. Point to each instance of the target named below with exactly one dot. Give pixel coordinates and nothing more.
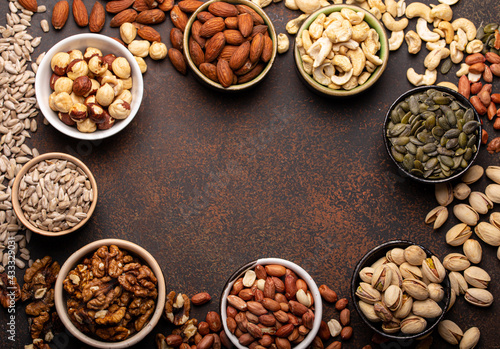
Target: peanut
(464, 87)
(476, 103)
(492, 111)
(341, 304)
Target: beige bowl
(15, 192)
(77, 257)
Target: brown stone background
(207, 181)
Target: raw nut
(475, 58)
(189, 6)
(346, 333)
(227, 53)
(166, 5)
(484, 97)
(470, 338)
(231, 22)
(196, 52)
(209, 70)
(142, 64)
(118, 6)
(179, 18)
(495, 69)
(492, 57)
(275, 270)
(222, 9)
(206, 342)
(86, 126)
(60, 14)
(478, 105)
(450, 332)
(247, 9)
(204, 16)
(82, 85)
(124, 16)
(464, 87)
(128, 32)
(176, 38)
(195, 33)
(64, 117)
(78, 112)
(139, 48)
(245, 24)
(256, 48)
(233, 37)
(225, 76)
(119, 109)
(80, 13)
(109, 59)
(253, 73)
(475, 87)
(149, 34)
(214, 47)
(345, 317)
(240, 56)
(201, 298)
(142, 5)
(154, 16)
(212, 27)
(59, 63)
(97, 18)
(173, 340)
(214, 321)
(158, 50)
(30, 5)
(77, 68)
(177, 60)
(267, 52)
(341, 304)
(328, 294)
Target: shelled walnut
(9, 290)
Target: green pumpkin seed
(490, 28)
(446, 160)
(408, 161)
(429, 148)
(446, 66)
(468, 154)
(411, 148)
(433, 162)
(470, 126)
(397, 155)
(452, 143)
(400, 141)
(462, 140)
(441, 100)
(453, 133)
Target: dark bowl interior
(371, 257)
(461, 99)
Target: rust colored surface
(207, 182)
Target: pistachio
(413, 325)
(393, 297)
(405, 308)
(368, 311)
(396, 278)
(488, 233)
(473, 174)
(379, 262)
(396, 255)
(366, 274)
(477, 277)
(382, 311)
(450, 332)
(493, 173)
(453, 298)
(473, 250)
(409, 271)
(436, 292)
(495, 219)
(458, 234)
(466, 214)
(457, 283)
(428, 309)
(367, 293)
(433, 270)
(415, 255)
(444, 193)
(416, 288)
(492, 191)
(382, 277)
(470, 338)
(461, 191)
(393, 326)
(438, 216)
(479, 297)
(456, 262)
(480, 202)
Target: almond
(179, 18)
(118, 6)
(177, 60)
(195, 33)
(247, 67)
(262, 29)
(214, 46)
(225, 76)
(97, 17)
(255, 16)
(166, 5)
(227, 52)
(464, 86)
(245, 24)
(80, 13)
(60, 14)
(176, 38)
(154, 16)
(222, 9)
(128, 15)
(204, 16)
(212, 27)
(30, 5)
(210, 71)
(189, 6)
(233, 37)
(196, 52)
(240, 56)
(267, 52)
(141, 5)
(231, 22)
(149, 34)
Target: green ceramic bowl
(383, 53)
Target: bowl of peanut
(89, 86)
(266, 293)
(230, 45)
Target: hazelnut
(107, 123)
(125, 96)
(53, 79)
(78, 112)
(63, 102)
(59, 63)
(82, 85)
(97, 65)
(121, 67)
(127, 83)
(128, 32)
(76, 68)
(52, 104)
(75, 98)
(116, 84)
(105, 95)
(142, 64)
(95, 112)
(106, 73)
(91, 52)
(119, 109)
(139, 48)
(89, 100)
(109, 59)
(75, 54)
(158, 50)
(63, 84)
(87, 126)
(64, 117)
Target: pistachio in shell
(461, 191)
(473, 251)
(405, 308)
(477, 277)
(495, 219)
(416, 288)
(470, 338)
(480, 202)
(379, 262)
(453, 298)
(366, 274)
(438, 215)
(479, 297)
(443, 193)
(457, 282)
(456, 262)
(396, 256)
(458, 234)
(466, 214)
(381, 278)
(396, 278)
(450, 332)
(368, 311)
(433, 270)
(473, 174)
(413, 324)
(493, 173)
(428, 309)
(415, 255)
(488, 233)
(409, 271)
(436, 292)
(367, 293)
(391, 327)
(382, 312)
(392, 297)
(492, 191)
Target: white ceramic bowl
(301, 273)
(76, 258)
(81, 42)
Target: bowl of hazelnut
(110, 293)
(89, 86)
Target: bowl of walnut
(110, 293)
(89, 86)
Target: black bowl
(371, 257)
(459, 98)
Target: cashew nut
(334, 87)
(291, 5)
(338, 31)
(393, 25)
(435, 45)
(352, 16)
(308, 6)
(370, 67)
(442, 11)
(401, 9)
(364, 5)
(300, 47)
(323, 73)
(342, 79)
(433, 59)
(351, 83)
(371, 57)
(262, 3)
(363, 77)
(372, 42)
(358, 60)
(319, 50)
(464, 69)
(283, 43)
(343, 62)
(316, 27)
(474, 77)
(467, 26)
(377, 4)
(424, 32)
(292, 27)
(351, 45)
(324, 3)
(447, 28)
(335, 16)
(449, 85)
(306, 40)
(448, 2)
(396, 40)
(455, 54)
(376, 12)
(461, 39)
(418, 9)
(391, 7)
(360, 32)
(428, 78)
(474, 46)
(307, 64)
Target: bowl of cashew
(341, 50)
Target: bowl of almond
(230, 45)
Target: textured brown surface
(207, 181)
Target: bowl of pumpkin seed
(432, 133)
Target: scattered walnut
(177, 308)
(494, 146)
(10, 292)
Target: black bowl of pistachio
(400, 290)
(432, 133)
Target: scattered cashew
(391, 7)
(308, 6)
(396, 40)
(323, 73)
(424, 32)
(413, 41)
(455, 54)
(447, 28)
(433, 59)
(461, 39)
(442, 11)
(376, 12)
(464, 69)
(435, 45)
(307, 64)
(292, 27)
(418, 9)
(358, 60)
(474, 46)
(291, 5)
(467, 26)
(364, 5)
(300, 46)
(448, 2)
(428, 78)
(393, 25)
(439, 31)
(283, 43)
(262, 3)
(449, 85)
(316, 27)
(401, 9)
(319, 50)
